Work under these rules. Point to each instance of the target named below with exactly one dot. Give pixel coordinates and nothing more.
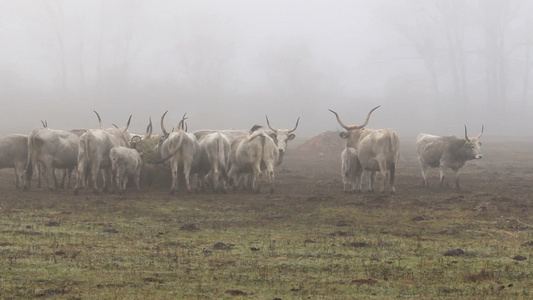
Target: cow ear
(273, 135)
(343, 135)
(291, 136)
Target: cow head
(473, 145)
(353, 132)
(282, 137)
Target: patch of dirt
(455, 252)
(189, 227)
(368, 281)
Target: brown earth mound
(325, 144)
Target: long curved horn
(292, 130)
(342, 124)
(271, 128)
(99, 119)
(477, 136)
(466, 135)
(181, 124)
(149, 129)
(128, 124)
(165, 132)
(368, 117)
(44, 124)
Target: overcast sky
(430, 64)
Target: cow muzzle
(479, 156)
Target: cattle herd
(219, 158)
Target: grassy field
(309, 240)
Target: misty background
(433, 66)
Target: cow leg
(125, 180)
(392, 175)
(358, 182)
(80, 177)
(69, 176)
(424, 169)
(214, 179)
(442, 169)
(49, 174)
(371, 180)
(187, 173)
(95, 168)
(17, 179)
(174, 170)
(456, 171)
(385, 178)
(257, 175)
(270, 170)
(136, 179)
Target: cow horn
(466, 135)
(368, 117)
(271, 128)
(115, 125)
(182, 124)
(342, 124)
(44, 124)
(149, 129)
(128, 124)
(165, 132)
(99, 119)
(477, 137)
(292, 130)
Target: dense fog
(433, 66)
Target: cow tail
(28, 170)
(394, 152)
(262, 147)
(221, 156)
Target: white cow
(281, 137)
(14, 154)
(253, 153)
(231, 134)
(446, 152)
(52, 149)
(181, 149)
(125, 162)
(351, 170)
(214, 158)
(93, 154)
(377, 149)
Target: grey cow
(446, 152)
(14, 154)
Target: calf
(125, 162)
(351, 170)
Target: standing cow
(93, 154)
(125, 162)
(181, 149)
(14, 154)
(214, 159)
(446, 152)
(253, 153)
(51, 149)
(281, 137)
(351, 170)
(377, 149)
